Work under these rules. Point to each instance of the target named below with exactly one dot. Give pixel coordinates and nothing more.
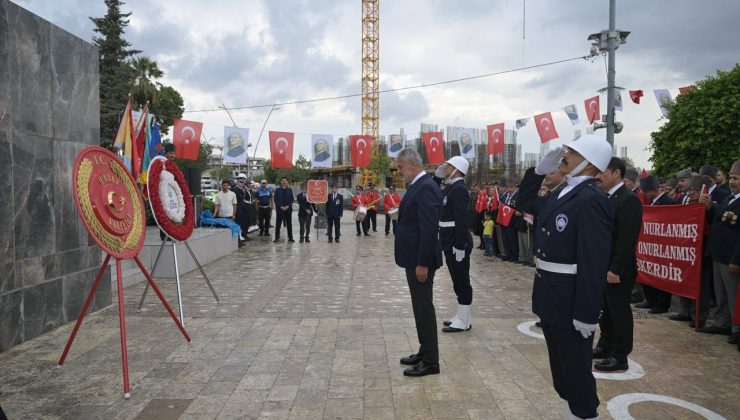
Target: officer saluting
(455, 238)
(572, 248)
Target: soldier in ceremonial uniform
(455, 238)
(358, 200)
(572, 248)
(391, 200)
(372, 198)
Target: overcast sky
(241, 52)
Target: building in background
(623, 152)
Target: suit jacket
(719, 194)
(664, 200)
(304, 205)
(625, 230)
(416, 241)
(283, 197)
(724, 239)
(334, 207)
(455, 209)
(574, 229)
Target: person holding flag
(480, 211)
(455, 238)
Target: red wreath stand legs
(121, 315)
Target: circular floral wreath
(164, 176)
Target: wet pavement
(315, 330)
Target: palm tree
(146, 73)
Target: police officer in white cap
(572, 249)
(455, 238)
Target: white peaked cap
(460, 163)
(594, 149)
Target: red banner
(360, 148)
(545, 127)
(434, 146)
(281, 149)
(317, 191)
(593, 110)
(669, 249)
(495, 139)
(186, 137)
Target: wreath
(169, 197)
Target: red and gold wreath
(178, 230)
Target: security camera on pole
(607, 41)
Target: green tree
(204, 155)
(168, 106)
(116, 76)
(220, 173)
(380, 165)
(702, 128)
(300, 172)
(146, 72)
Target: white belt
(556, 267)
(446, 224)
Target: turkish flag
(545, 127)
(505, 213)
(593, 111)
(644, 172)
(360, 148)
(186, 137)
(494, 200)
(435, 146)
(495, 139)
(481, 201)
(635, 95)
(281, 149)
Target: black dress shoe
(291, 240)
(357, 234)
(422, 369)
(538, 324)
(636, 299)
(715, 330)
(734, 338)
(679, 317)
(276, 240)
(446, 323)
(300, 241)
(308, 240)
(454, 330)
(331, 240)
(600, 353)
(337, 240)
(412, 360)
(611, 364)
(692, 324)
(656, 310)
(644, 305)
(367, 234)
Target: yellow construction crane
(371, 70)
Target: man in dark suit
(716, 193)
(455, 238)
(616, 323)
(284, 210)
(418, 251)
(572, 258)
(658, 301)
(724, 242)
(334, 210)
(306, 211)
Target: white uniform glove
(440, 172)
(459, 254)
(550, 162)
(585, 329)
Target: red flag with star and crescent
(545, 127)
(281, 149)
(433, 141)
(495, 139)
(593, 111)
(493, 205)
(481, 201)
(360, 150)
(505, 213)
(635, 95)
(186, 138)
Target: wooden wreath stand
(112, 211)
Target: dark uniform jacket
(574, 229)
(416, 241)
(664, 200)
(334, 207)
(718, 194)
(625, 230)
(455, 201)
(724, 239)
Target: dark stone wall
(48, 113)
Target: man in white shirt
(225, 202)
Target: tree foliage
(204, 154)
(116, 76)
(380, 165)
(702, 127)
(300, 172)
(220, 173)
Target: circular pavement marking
(635, 371)
(526, 329)
(619, 406)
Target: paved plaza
(315, 331)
